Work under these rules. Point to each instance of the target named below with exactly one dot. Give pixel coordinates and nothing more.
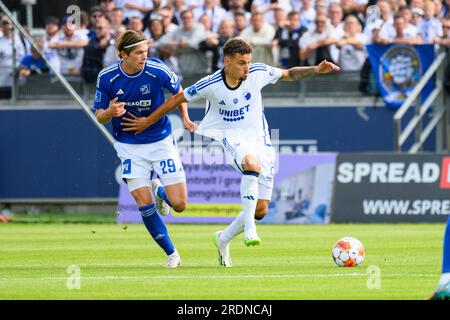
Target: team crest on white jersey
(145, 89)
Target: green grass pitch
(293, 262)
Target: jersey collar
(134, 75)
(225, 81)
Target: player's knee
(179, 205)
(249, 163)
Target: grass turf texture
(293, 262)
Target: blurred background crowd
(188, 34)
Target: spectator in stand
(438, 9)
(240, 23)
(167, 18)
(6, 57)
(95, 15)
(350, 7)
(184, 42)
(178, 7)
(33, 63)
(206, 22)
(237, 7)
(351, 46)
(107, 5)
(417, 4)
(134, 8)
(155, 32)
(84, 24)
(215, 13)
(111, 54)
(287, 40)
(445, 12)
(444, 40)
(116, 20)
(214, 43)
(70, 47)
(315, 44)
(155, 11)
(94, 52)
(135, 23)
(371, 31)
(280, 18)
(335, 15)
(307, 14)
(268, 8)
(431, 27)
(260, 35)
(399, 34)
(51, 32)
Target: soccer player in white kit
(235, 117)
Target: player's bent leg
(249, 197)
(223, 249)
(177, 195)
(262, 207)
(153, 222)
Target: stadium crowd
(188, 34)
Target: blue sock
(161, 192)
(446, 255)
(157, 228)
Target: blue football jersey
(142, 93)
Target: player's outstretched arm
(139, 124)
(300, 73)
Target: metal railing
(438, 116)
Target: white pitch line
(262, 276)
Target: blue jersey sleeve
(171, 82)
(102, 98)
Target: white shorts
(139, 160)
(237, 148)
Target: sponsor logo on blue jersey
(145, 89)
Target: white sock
(445, 278)
(249, 198)
(235, 228)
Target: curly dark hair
(233, 46)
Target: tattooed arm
(300, 73)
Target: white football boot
(250, 236)
(173, 261)
(224, 250)
(161, 205)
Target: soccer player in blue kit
(443, 290)
(134, 87)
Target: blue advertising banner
(398, 68)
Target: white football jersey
(233, 112)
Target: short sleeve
(171, 81)
(101, 99)
(266, 74)
(199, 90)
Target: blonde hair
(128, 38)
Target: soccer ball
(348, 252)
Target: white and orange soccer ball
(348, 252)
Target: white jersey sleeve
(266, 74)
(201, 89)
